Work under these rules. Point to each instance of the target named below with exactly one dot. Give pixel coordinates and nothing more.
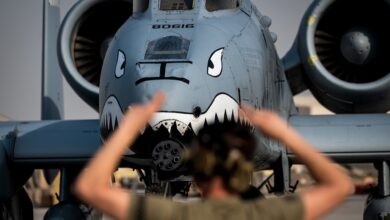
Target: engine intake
(343, 47)
(84, 37)
(354, 48)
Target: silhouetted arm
(93, 186)
(332, 187)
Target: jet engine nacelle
(84, 37)
(343, 47)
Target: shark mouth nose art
(223, 108)
(110, 117)
(170, 126)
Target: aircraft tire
(18, 207)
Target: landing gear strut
(165, 188)
(378, 203)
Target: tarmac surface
(351, 209)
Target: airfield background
(21, 43)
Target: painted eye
(215, 63)
(120, 64)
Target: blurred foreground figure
(220, 162)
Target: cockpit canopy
(211, 5)
(215, 5)
(171, 5)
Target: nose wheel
(166, 188)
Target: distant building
(4, 118)
(308, 105)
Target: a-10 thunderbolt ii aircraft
(208, 56)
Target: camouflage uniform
(155, 208)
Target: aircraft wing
(345, 138)
(356, 138)
(50, 143)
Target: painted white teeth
(111, 116)
(221, 106)
(142, 130)
(169, 124)
(112, 113)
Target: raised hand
(92, 185)
(138, 115)
(266, 121)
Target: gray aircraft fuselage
(205, 62)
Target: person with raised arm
(220, 160)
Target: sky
(21, 52)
